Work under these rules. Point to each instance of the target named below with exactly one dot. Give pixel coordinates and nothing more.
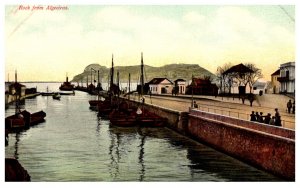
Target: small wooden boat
(149, 119)
(130, 116)
(15, 122)
(122, 118)
(56, 96)
(34, 118)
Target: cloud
(67, 41)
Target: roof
(179, 80)
(288, 64)
(276, 73)
(156, 81)
(240, 68)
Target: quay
(264, 146)
(12, 98)
(228, 106)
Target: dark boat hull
(14, 122)
(128, 117)
(34, 118)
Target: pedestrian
(257, 116)
(143, 100)
(272, 120)
(277, 118)
(195, 104)
(251, 98)
(267, 119)
(261, 118)
(293, 108)
(289, 106)
(252, 116)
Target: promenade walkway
(228, 106)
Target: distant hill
(171, 71)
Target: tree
(223, 78)
(251, 78)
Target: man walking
(277, 118)
(289, 106)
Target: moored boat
(110, 100)
(125, 115)
(56, 96)
(33, 118)
(67, 86)
(15, 122)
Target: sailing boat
(106, 106)
(126, 116)
(145, 117)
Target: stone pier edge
(274, 153)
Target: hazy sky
(44, 45)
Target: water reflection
(16, 154)
(141, 155)
(98, 124)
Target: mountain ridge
(170, 71)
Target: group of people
(290, 106)
(267, 119)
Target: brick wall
(273, 153)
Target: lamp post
(192, 84)
(92, 76)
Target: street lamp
(192, 85)
(92, 76)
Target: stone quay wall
(266, 147)
(263, 146)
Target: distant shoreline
(37, 82)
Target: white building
(160, 86)
(181, 85)
(287, 77)
(260, 86)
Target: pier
(264, 146)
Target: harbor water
(73, 144)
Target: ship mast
(112, 73)
(142, 75)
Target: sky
(45, 45)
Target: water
(73, 144)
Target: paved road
(226, 106)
